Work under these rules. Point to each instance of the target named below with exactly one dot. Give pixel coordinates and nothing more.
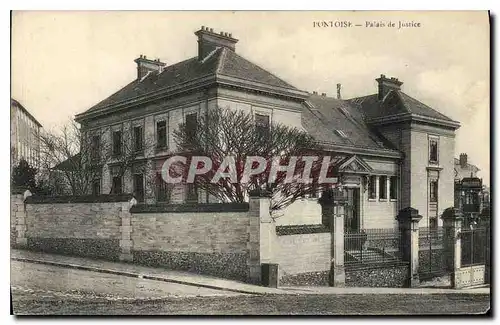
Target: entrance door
(352, 217)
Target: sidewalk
(205, 281)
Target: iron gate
(432, 255)
(474, 259)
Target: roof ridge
(205, 59)
(399, 94)
(220, 62)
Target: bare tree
(66, 155)
(220, 133)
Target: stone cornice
(405, 117)
(361, 151)
(192, 85)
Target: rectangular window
(96, 187)
(382, 186)
(393, 188)
(161, 134)
(191, 125)
(138, 138)
(262, 125)
(117, 185)
(139, 187)
(192, 193)
(162, 190)
(117, 143)
(433, 151)
(95, 148)
(372, 190)
(433, 191)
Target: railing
(430, 237)
(371, 246)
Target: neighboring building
(398, 151)
(471, 196)
(463, 169)
(24, 131)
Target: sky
(64, 62)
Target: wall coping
(301, 229)
(35, 199)
(375, 265)
(190, 207)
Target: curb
(132, 275)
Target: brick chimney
(463, 160)
(209, 41)
(386, 84)
(145, 65)
(339, 87)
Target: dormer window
(342, 134)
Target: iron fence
(371, 246)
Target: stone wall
(212, 242)
(384, 275)
(217, 239)
(303, 253)
(78, 226)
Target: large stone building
(24, 131)
(399, 152)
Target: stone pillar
(408, 219)
(333, 205)
(259, 210)
(126, 243)
(452, 224)
(21, 224)
(267, 232)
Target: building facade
(24, 131)
(398, 152)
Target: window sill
(163, 148)
(372, 200)
(393, 200)
(382, 200)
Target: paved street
(47, 289)
(30, 280)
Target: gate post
(452, 224)
(333, 209)
(408, 219)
